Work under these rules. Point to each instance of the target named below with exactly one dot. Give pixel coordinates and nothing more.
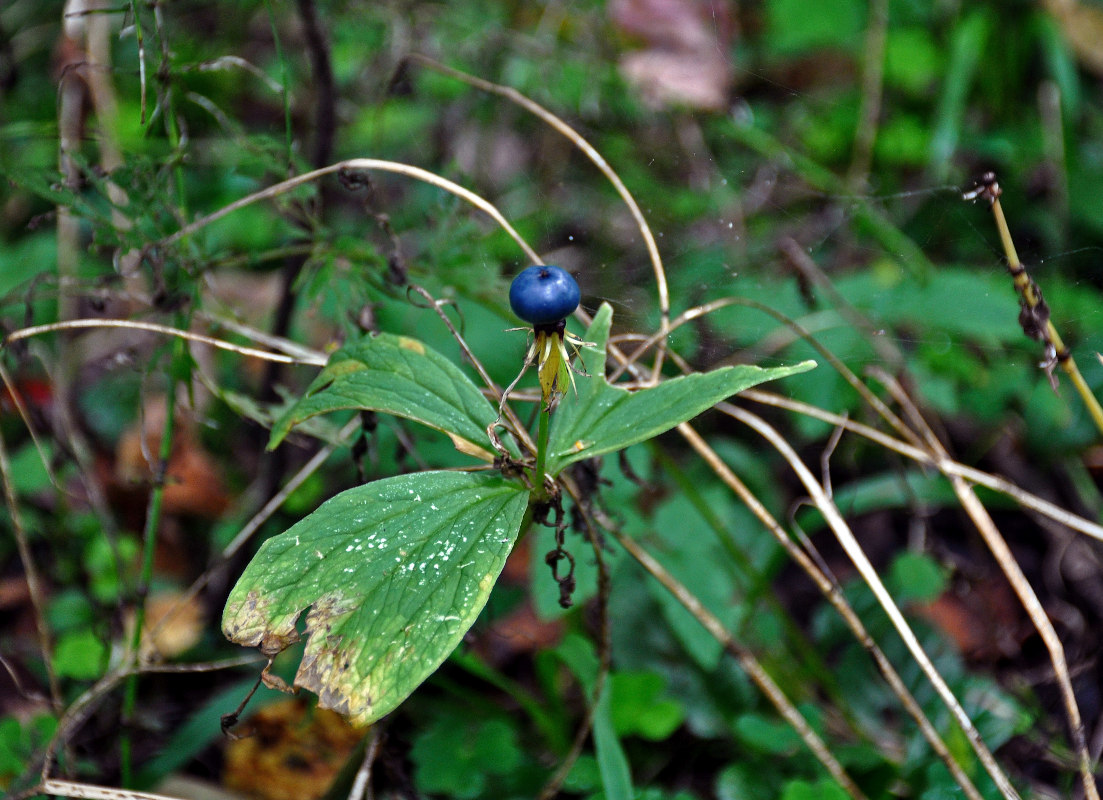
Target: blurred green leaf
(766, 734)
(639, 708)
(793, 26)
(913, 60)
(743, 782)
(456, 755)
(824, 789)
(81, 655)
(967, 45)
(916, 577)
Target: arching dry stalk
(1025, 499)
(1019, 583)
(857, 557)
(832, 593)
(351, 166)
(558, 124)
(744, 656)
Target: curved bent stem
(352, 165)
(1019, 583)
(599, 161)
(833, 594)
(745, 657)
(858, 557)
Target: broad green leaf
(605, 418)
(616, 776)
(401, 376)
(394, 573)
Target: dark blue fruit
(543, 295)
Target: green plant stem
(1028, 290)
(145, 577)
(541, 450)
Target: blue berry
(543, 295)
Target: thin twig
(90, 791)
(24, 415)
(361, 784)
(75, 324)
(599, 161)
(800, 259)
(1035, 317)
(304, 355)
(202, 666)
(1019, 583)
(517, 428)
(858, 557)
(34, 582)
(646, 343)
(77, 713)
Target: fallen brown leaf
(288, 751)
(684, 59)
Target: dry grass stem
(353, 165)
(1019, 583)
(746, 659)
(947, 466)
(599, 161)
(89, 791)
(833, 594)
(153, 327)
(858, 557)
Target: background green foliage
(229, 109)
